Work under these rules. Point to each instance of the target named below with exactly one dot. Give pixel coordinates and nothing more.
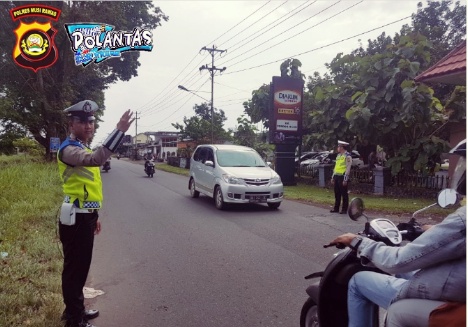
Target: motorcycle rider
(434, 264)
(147, 163)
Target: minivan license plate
(257, 198)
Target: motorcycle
(106, 166)
(149, 169)
(327, 302)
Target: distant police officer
(340, 177)
(79, 169)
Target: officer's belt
(80, 210)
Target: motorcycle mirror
(447, 197)
(356, 208)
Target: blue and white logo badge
(96, 42)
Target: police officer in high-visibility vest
(340, 177)
(79, 169)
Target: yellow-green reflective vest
(81, 185)
(340, 164)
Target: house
(160, 145)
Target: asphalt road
(165, 259)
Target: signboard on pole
(286, 115)
(54, 144)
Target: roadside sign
(54, 144)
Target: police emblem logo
(87, 107)
(35, 48)
(35, 44)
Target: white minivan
(233, 174)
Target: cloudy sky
(257, 36)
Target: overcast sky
(253, 33)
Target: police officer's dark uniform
(340, 177)
(79, 169)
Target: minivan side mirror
(209, 163)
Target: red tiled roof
(450, 70)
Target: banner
(286, 115)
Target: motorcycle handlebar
(337, 245)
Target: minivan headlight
(230, 179)
(276, 179)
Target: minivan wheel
(193, 192)
(218, 198)
(274, 206)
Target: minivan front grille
(256, 181)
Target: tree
(258, 108)
(8, 136)
(35, 101)
(198, 128)
(245, 133)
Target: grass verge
(30, 258)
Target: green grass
(325, 197)
(30, 287)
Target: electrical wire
(318, 48)
(282, 42)
(277, 24)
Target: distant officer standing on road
(340, 177)
(79, 169)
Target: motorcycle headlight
(230, 179)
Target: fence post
(325, 172)
(382, 176)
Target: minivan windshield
(233, 158)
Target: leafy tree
(198, 128)
(245, 133)
(35, 101)
(371, 92)
(8, 136)
(258, 108)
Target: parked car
(328, 158)
(233, 174)
(305, 156)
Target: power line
(266, 15)
(281, 42)
(238, 24)
(291, 14)
(318, 48)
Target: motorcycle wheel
(309, 314)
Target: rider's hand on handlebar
(343, 240)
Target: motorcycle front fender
(313, 291)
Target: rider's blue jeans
(366, 288)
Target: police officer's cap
(83, 110)
(342, 143)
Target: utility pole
(212, 70)
(136, 134)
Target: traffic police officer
(340, 177)
(79, 169)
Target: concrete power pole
(212, 70)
